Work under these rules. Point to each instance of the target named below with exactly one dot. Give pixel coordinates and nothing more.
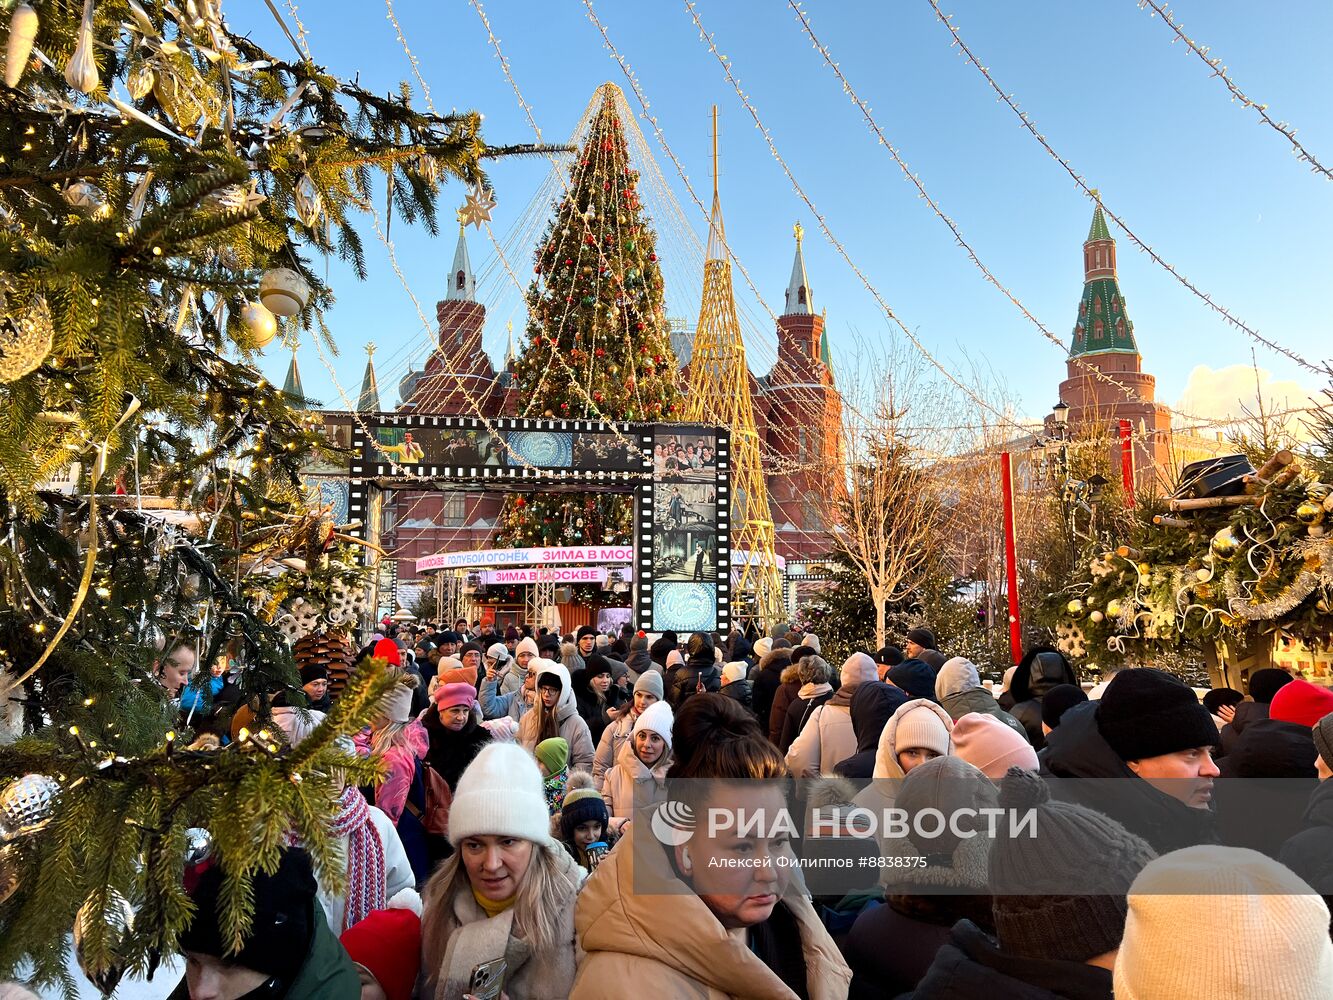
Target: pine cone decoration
(332, 650)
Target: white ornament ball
(284, 292)
(260, 324)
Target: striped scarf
(365, 857)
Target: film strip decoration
(798, 571)
(679, 476)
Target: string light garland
(1214, 63)
(1031, 127)
(1089, 369)
(784, 466)
(633, 81)
(725, 63)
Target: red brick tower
(458, 380)
(804, 421)
(1104, 340)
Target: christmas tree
(598, 346)
(167, 188)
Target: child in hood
(917, 732)
(583, 819)
(553, 762)
(641, 767)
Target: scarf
(365, 857)
(555, 791)
(493, 907)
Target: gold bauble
(1113, 608)
(1144, 569)
(1225, 544)
(1074, 607)
(283, 291)
(260, 325)
(1318, 492)
(1310, 513)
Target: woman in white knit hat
(639, 777)
(1277, 943)
(507, 894)
(917, 732)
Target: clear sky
(1216, 193)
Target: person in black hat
(1058, 921)
(1150, 730)
(1056, 702)
(918, 639)
(315, 684)
(290, 953)
(1041, 669)
(1263, 686)
(585, 638)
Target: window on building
(812, 516)
(1097, 305)
(460, 281)
(1096, 329)
(804, 444)
(800, 295)
(455, 511)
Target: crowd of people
(497, 856)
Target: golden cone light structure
(719, 393)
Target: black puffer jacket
(1247, 714)
(1310, 853)
(970, 965)
(451, 752)
(917, 926)
(872, 706)
(767, 679)
(741, 691)
(1262, 812)
(1041, 669)
(1077, 750)
(700, 668)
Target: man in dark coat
(661, 646)
(1041, 669)
(1149, 731)
(1278, 758)
(699, 671)
(1310, 853)
(1058, 930)
(1264, 684)
(767, 676)
(872, 706)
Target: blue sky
(1217, 194)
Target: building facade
(798, 415)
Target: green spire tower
(1103, 325)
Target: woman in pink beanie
(990, 746)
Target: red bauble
(569, 299)
(520, 502)
(601, 353)
(638, 326)
(606, 185)
(652, 256)
(569, 262)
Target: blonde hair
(545, 890)
(393, 733)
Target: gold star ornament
(477, 207)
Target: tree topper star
(477, 207)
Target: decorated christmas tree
(598, 346)
(167, 189)
(1239, 557)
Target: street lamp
(1060, 414)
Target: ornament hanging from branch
(26, 333)
(81, 72)
(22, 33)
